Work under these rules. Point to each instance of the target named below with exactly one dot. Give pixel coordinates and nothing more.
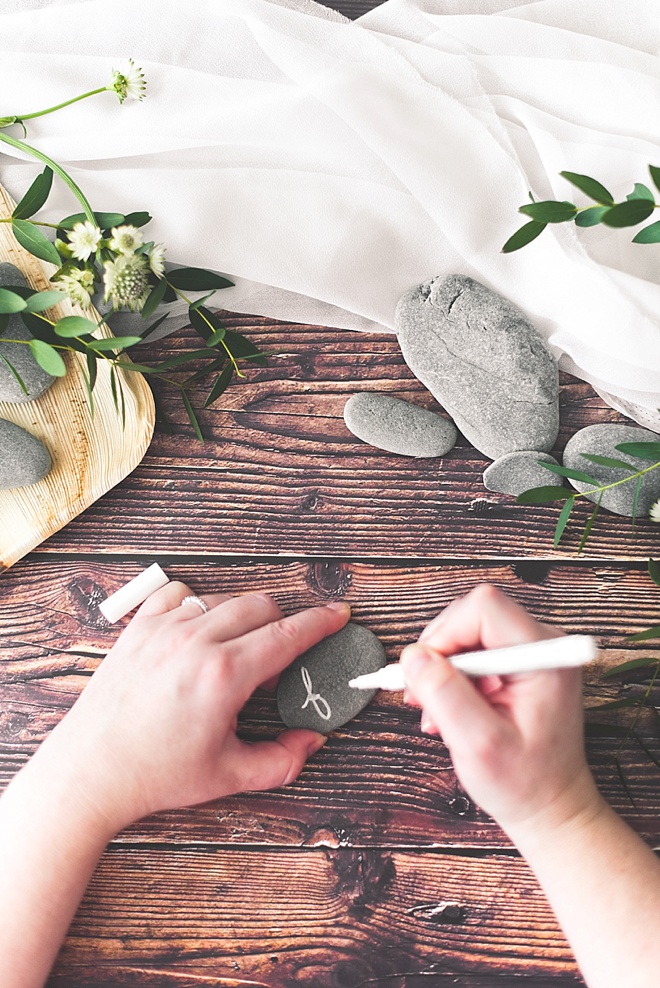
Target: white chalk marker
(551, 653)
(118, 604)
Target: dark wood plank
(377, 781)
(280, 473)
(312, 919)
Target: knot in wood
(330, 579)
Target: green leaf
(643, 451)
(217, 336)
(136, 219)
(590, 524)
(198, 320)
(220, 385)
(200, 301)
(74, 326)
(113, 387)
(654, 572)
(154, 298)
(30, 237)
(563, 519)
(591, 216)
(540, 495)
(197, 280)
(569, 472)
(105, 220)
(215, 365)
(91, 369)
(44, 300)
(629, 666)
(549, 211)
(154, 326)
(48, 358)
(648, 234)
(114, 343)
(242, 349)
(15, 373)
(590, 187)
(655, 175)
(609, 461)
(628, 701)
(644, 636)
(641, 191)
(191, 415)
(10, 301)
(182, 358)
(7, 122)
(628, 213)
(523, 236)
(35, 196)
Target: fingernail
(317, 743)
(339, 605)
(414, 657)
(427, 726)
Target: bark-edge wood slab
(90, 455)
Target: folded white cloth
(327, 166)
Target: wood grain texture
(280, 472)
(90, 455)
(315, 919)
(378, 781)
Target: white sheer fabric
(327, 166)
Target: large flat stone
(19, 355)
(483, 361)
(398, 426)
(23, 458)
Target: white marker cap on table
(118, 604)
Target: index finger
(268, 650)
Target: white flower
(125, 239)
(128, 82)
(84, 239)
(654, 513)
(126, 281)
(78, 283)
(157, 260)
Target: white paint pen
(550, 653)
(118, 604)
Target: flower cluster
(118, 258)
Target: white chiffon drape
(327, 166)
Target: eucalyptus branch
(66, 178)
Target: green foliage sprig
(542, 495)
(107, 250)
(636, 208)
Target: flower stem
(8, 219)
(51, 109)
(79, 194)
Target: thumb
(268, 764)
(448, 697)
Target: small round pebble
(19, 355)
(23, 458)
(313, 691)
(601, 440)
(398, 426)
(516, 472)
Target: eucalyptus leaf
(35, 196)
(221, 383)
(242, 349)
(105, 221)
(591, 216)
(10, 302)
(590, 524)
(609, 461)
(154, 298)
(137, 219)
(590, 187)
(44, 300)
(114, 343)
(549, 211)
(13, 370)
(643, 451)
(74, 326)
(569, 472)
(646, 635)
(217, 336)
(655, 175)
(628, 213)
(627, 701)
(654, 571)
(197, 280)
(182, 358)
(541, 495)
(523, 236)
(641, 191)
(200, 301)
(92, 368)
(154, 326)
(30, 237)
(563, 519)
(191, 415)
(648, 234)
(48, 358)
(629, 666)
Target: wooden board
(90, 455)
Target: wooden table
(375, 868)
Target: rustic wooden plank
(377, 781)
(312, 919)
(280, 473)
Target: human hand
(516, 741)
(156, 726)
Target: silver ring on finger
(192, 599)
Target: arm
(154, 729)
(517, 747)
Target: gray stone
(316, 684)
(484, 361)
(601, 440)
(516, 472)
(19, 356)
(23, 458)
(398, 426)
